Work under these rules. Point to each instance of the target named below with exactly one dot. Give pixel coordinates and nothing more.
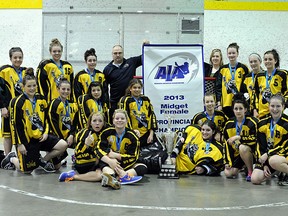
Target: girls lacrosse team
(242, 128)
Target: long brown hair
(133, 82)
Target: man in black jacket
(118, 74)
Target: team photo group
(111, 127)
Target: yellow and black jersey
(2, 90)
(49, 75)
(3, 93)
(277, 82)
(226, 74)
(191, 135)
(128, 146)
(13, 82)
(62, 118)
(248, 133)
(273, 138)
(84, 78)
(87, 105)
(83, 153)
(219, 118)
(12, 121)
(208, 155)
(29, 118)
(140, 112)
(249, 87)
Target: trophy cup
(168, 169)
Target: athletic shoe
(248, 178)
(46, 166)
(6, 164)
(282, 179)
(108, 180)
(127, 179)
(67, 176)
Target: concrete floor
(42, 194)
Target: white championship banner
(173, 80)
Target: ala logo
(184, 68)
(170, 72)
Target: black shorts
(103, 164)
(85, 168)
(30, 161)
(261, 167)
(237, 162)
(5, 129)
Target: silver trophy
(168, 169)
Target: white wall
(254, 31)
(23, 28)
(100, 24)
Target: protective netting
(210, 84)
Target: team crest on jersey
(270, 143)
(56, 79)
(66, 121)
(231, 86)
(35, 121)
(18, 87)
(266, 95)
(191, 150)
(141, 118)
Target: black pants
(113, 107)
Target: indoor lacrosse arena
(59, 155)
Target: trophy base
(168, 171)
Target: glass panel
(54, 27)
(98, 31)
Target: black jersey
(83, 153)
(49, 75)
(83, 79)
(140, 112)
(29, 118)
(128, 146)
(224, 93)
(273, 139)
(62, 118)
(274, 84)
(87, 105)
(13, 83)
(248, 134)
